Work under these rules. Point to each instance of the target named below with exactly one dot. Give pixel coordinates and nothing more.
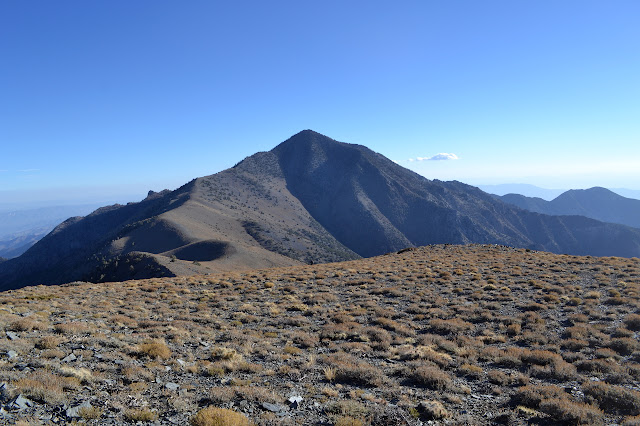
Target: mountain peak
(307, 136)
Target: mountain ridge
(310, 199)
(597, 203)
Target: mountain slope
(373, 205)
(597, 203)
(14, 245)
(310, 199)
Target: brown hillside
(453, 334)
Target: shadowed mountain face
(372, 205)
(597, 203)
(310, 199)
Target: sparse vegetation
(418, 336)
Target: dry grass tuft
(213, 416)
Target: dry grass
(214, 416)
(462, 334)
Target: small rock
(275, 408)
(75, 411)
(12, 336)
(294, 401)
(181, 362)
(69, 358)
(11, 354)
(176, 420)
(20, 403)
(4, 392)
(172, 386)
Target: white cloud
(29, 170)
(443, 156)
(437, 157)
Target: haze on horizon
(109, 100)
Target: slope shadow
(202, 251)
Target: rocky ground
(435, 335)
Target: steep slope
(597, 203)
(14, 245)
(311, 199)
(372, 205)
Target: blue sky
(111, 97)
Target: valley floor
(442, 334)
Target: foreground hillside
(311, 199)
(454, 334)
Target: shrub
(632, 322)
(497, 377)
(347, 421)
(360, 375)
(48, 342)
(90, 413)
(154, 349)
(455, 325)
(624, 346)
(565, 411)
(432, 410)
(213, 416)
(470, 370)
(380, 339)
(42, 386)
(140, 415)
(514, 329)
(348, 408)
(532, 396)
(614, 399)
(539, 357)
(72, 328)
(25, 324)
(430, 377)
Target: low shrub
(214, 416)
(567, 412)
(154, 349)
(432, 410)
(429, 377)
(140, 415)
(614, 399)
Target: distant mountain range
(596, 203)
(310, 199)
(544, 193)
(22, 228)
(523, 189)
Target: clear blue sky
(125, 96)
